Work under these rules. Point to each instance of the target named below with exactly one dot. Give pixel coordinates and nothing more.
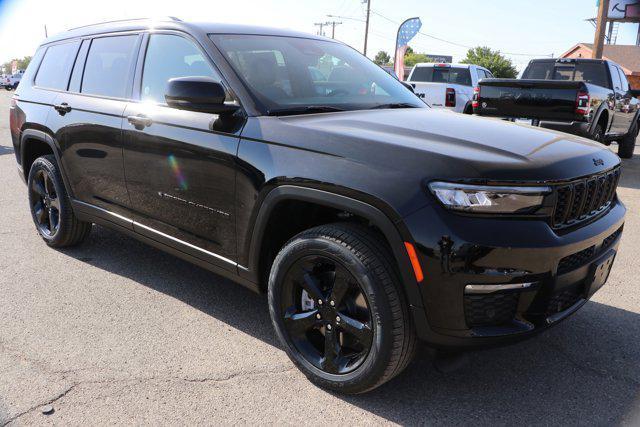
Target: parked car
(586, 97)
(371, 220)
(447, 85)
(11, 81)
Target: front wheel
(337, 307)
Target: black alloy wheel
(326, 314)
(338, 308)
(45, 203)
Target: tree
(22, 64)
(493, 60)
(411, 58)
(382, 58)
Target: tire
(390, 335)
(628, 143)
(7, 87)
(51, 207)
(598, 133)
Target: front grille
(562, 301)
(583, 199)
(576, 260)
(491, 309)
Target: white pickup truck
(11, 81)
(447, 85)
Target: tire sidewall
(379, 354)
(45, 164)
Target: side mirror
(408, 86)
(202, 94)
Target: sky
(522, 29)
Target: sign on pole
(14, 67)
(624, 10)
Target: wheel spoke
(52, 225)
(38, 188)
(40, 212)
(331, 352)
(340, 288)
(312, 286)
(55, 203)
(48, 185)
(300, 322)
(361, 331)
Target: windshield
(460, 76)
(305, 75)
(590, 72)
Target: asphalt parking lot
(118, 332)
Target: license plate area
(599, 272)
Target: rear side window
(615, 78)
(56, 65)
(108, 68)
(623, 80)
(168, 57)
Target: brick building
(627, 56)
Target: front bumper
(456, 251)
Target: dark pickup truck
(585, 97)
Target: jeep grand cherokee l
(294, 165)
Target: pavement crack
(39, 405)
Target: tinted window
(481, 74)
(454, 75)
(623, 80)
(168, 57)
(590, 72)
(56, 65)
(288, 73)
(78, 67)
(108, 66)
(615, 78)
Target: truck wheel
(598, 133)
(627, 144)
(50, 206)
(338, 310)
(7, 87)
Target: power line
(455, 43)
(320, 26)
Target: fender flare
(597, 116)
(38, 135)
(388, 228)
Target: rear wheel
(50, 206)
(598, 133)
(337, 308)
(627, 144)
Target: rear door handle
(62, 109)
(140, 122)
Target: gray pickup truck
(585, 97)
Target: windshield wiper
(308, 109)
(395, 105)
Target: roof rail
(167, 18)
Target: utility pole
(366, 27)
(601, 24)
(333, 28)
(320, 25)
(46, 35)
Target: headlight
(490, 199)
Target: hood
(444, 143)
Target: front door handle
(62, 109)
(139, 122)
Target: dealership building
(627, 56)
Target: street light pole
(366, 27)
(598, 43)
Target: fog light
(487, 289)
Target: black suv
(294, 165)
